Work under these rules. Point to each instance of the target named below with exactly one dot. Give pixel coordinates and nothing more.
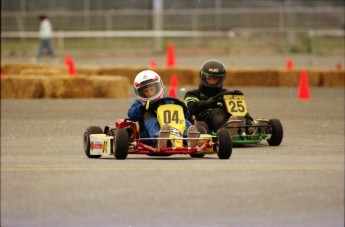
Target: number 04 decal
(236, 105)
(170, 116)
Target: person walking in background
(45, 34)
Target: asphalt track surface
(47, 180)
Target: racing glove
(196, 107)
(211, 102)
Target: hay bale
(185, 76)
(289, 77)
(110, 86)
(292, 77)
(31, 69)
(45, 71)
(68, 87)
(128, 72)
(316, 77)
(333, 78)
(251, 77)
(88, 70)
(23, 87)
(19, 86)
(14, 68)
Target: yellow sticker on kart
(172, 114)
(236, 105)
(100, 144)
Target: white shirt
(46, 30)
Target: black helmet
(212, 73)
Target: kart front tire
(224, 144)
(120, 143)
(86, 140)
(276, 132)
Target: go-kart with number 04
(242, 133)
(124, 137)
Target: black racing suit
(204, 108)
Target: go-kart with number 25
(242, 133)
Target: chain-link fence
(226, 25)
(221, 15)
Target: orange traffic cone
(289, 64)
(173, 86)
(172, 92)
(170, 56)
(338, 66)
(153, 63)
(174, 81)
(303, 90)
(70, 64)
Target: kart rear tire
(120, 143)
(202, 124)
(86, 140)
(224, 144)
(276, 132)
(202, 130)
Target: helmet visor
(212, 80)
(150, 90)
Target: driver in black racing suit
(201, 102)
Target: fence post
(157, 23)
(60, 37)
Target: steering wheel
(234, 92)
(166, 100)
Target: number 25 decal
(237, 106)
(170, 116)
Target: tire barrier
(47, 81)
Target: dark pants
(217, 118)
(45, 45)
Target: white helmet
(148, 79)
